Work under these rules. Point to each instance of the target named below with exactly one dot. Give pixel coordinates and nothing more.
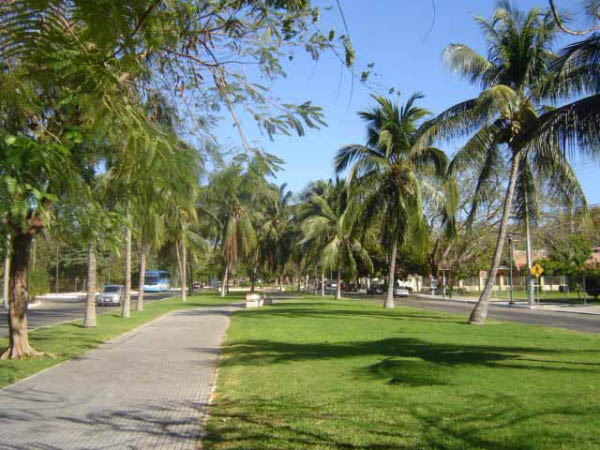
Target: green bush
(38, 283)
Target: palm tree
(274, 233)
(550, 171)
(228, 204)
(575, 74)
(499, 120)
(394, 175)
(330, 222)
(309, 252)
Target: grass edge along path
(69, 340)
(326, 374)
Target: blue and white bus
(157, 280)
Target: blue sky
(394, 35)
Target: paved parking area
(147, 389)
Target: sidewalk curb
(504, 305)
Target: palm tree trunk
(126, 306)
(57, 262)
(6, 274)
(183, 272)
(34, 255)
(530, 287)
(18, 347)
(389, 298)
(338, 287)
(90, 305)
(322, 281)
(479, 313)
(224, 286)
(253, 280)
(139, 304)
(190, 276)
(280, 278)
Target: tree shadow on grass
(262, 423)
(303, 309)
(437, 355)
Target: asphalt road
(587, 323)
(61, 310)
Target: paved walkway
(147, 389)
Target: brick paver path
(147, 389)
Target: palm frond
(469, 64)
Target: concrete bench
(254, 301)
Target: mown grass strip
(69, 340)
(320, 374)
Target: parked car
(401, 291)
(375, 289)
(112, 294)
(350, 287)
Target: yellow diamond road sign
(537, 270)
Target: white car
(401, 291)
(112, 294)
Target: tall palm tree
(332, 219)
(308, 253)
(274, 233)
(499, 120)
(394, 175)
(228, 204)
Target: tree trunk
(479, 313)
(224, 286)
(338, 286)
(126, 306)
(322, 281)
(190, 276)
(253, 280)
(90, 306)
(6, 274)
(18, 347)
(57, 261)
(139, 304)
(389, 298)
(530, 287)
(280, 283)
(183, 272)
(34, 255)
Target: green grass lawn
(330, 374)
(68, 340)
